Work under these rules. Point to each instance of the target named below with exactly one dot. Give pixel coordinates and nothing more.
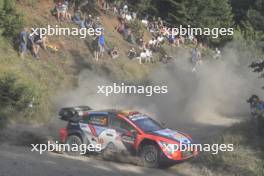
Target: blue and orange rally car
(126, 132)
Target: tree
(258, 67)
(249, 16)
(10, 21)
(240, 9)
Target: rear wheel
(150, 156)
(74, 143)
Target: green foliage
(10, 21)
(32, 3)
(249, 15)
(137, 28)
(196, 13)
(15, 97)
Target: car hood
(173, 135)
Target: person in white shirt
(152, 43)
(125, 8)
(149, 55)
(145, 22)
(143, 55)
(128, 17)
(160, 40)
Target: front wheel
(150, 156)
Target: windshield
(147, 124)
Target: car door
(125, 132)
(94, 126)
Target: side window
(96, 119)
(119, 123)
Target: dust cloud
(215, 94)
(197, 102)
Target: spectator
(58, 8)
(23, 41)
(114, 53)
(41, 41)
(62, 11)
(96, 48)
(199, 56)
(125, 9)
(77, 17)
(182, 40)
(190, 37)
(160, 40)
(65, 8)
(32, 46)
(128, 17)
(177, 42)
(152, 43)
(122, 15)
(171, 39)
(143, 55)
(145, 22)
(195, 41)
(217, 54)
(132, 53)
(121, 27)
(149, 55)
(97, 23)
(101, 45)
(115, 10)
(160, 22)
(134, 15)
(165, 59)
(129, 36)
(194, 55)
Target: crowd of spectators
(142, 50)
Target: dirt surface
(17, 161)
(16, 158)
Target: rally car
(128, 132)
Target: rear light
(63, 135)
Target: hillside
(30, 89)
(59, 71)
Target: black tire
(73, 139)
(109, 151)
(150, 156)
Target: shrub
(11, 22)
(15, 98)
(137, 29)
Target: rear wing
(73, 113)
